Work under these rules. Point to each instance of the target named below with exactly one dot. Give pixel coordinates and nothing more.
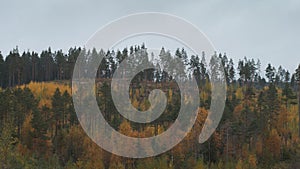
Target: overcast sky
(268, 30)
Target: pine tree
(298, 80)
(14, 65)
(287, 91)
(247, 70)
(60, 60)
(71, 60)
(1, 69)
(39, 133)
(66, 98)
(57, 109)
(270, 73)
(272, 104)
(46, 69)
(35, 61)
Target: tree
(239, 165)
(272, 105)
(298, 80)
(39, 133)
(231, 70)
(270, 73)
(72, 57)
(7, 140)
(14, 66)
(273, 146)
(46, 68)
(287, 91)
(203, 69)
(57, 109)
(165, 59)
(67, 103)
(112, 63)
(252, 161)
(1, 69)
(35, 61)
(60, 60)
(280, 75)
(26, 71)
(39, 125)
(104, 71)
(247, 69)
(25, 104)
(195, 67)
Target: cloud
(268, 30)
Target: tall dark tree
(26, 104)
(195, 67)
(40, 129)
(104, 70)
(14, 67)
(270, 73)
(27, 66)
(272, 105)
(66, 99)
(287, 91)
(61, 69)
(46, 68)
(231, 71)
(298, 80)
(1, 69)
(203, 69)
(110, 56)
(71, 60)
(57, 109)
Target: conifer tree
(57, 109)
(298, 80)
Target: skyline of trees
(39, 127)
(21, 68)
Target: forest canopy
(39, 127)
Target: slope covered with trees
(39, 127)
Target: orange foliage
(273, 144)
(259, 147)
(252, 161)
(43, 91)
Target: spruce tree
(1, 70)
(57, 109)
(298, 80)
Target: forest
(39, 127)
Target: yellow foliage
(273, 143)
(125, 128)
(170, 95)
(201, 118)
(239, 165)
(282, 121)
(135, 103)
(43, 91)
(252, 161)
(239, 93)
(92, 154)
(149, 131)
(259, 147)
(245, 151)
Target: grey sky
(268, 30)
